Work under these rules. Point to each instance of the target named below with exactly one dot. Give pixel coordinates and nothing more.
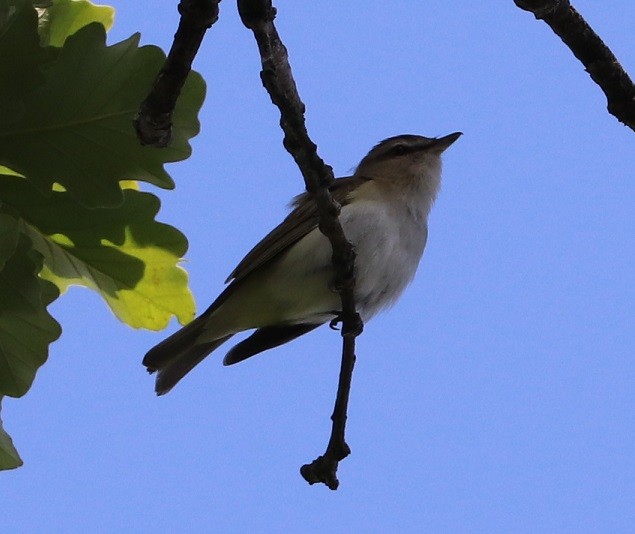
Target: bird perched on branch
(283, 286)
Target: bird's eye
(399, 150)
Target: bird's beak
(441, 143)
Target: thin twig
(258, 16)
(597, 58)
(324, 468)
(154, 121)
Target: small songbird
(283, 286)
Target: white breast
(389, 240)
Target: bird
(283, 287)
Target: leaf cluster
(71, 212)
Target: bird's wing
(296, 225)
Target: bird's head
(406, 158)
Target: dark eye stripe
(401, 149)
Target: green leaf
(78, 124)
(20, 58)
(9, 457)
(65, 17)
(121, 252)
(26, 328)
(9, 236)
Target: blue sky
(497, 396)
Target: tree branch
(276, 76)
(154, 120)
(586, 45)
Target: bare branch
(597, 58)
(276, 76)
(154, 121)
(324, 468)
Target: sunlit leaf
(122, 252)
(65, 17)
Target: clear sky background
(497, 396)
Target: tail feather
(177, 355)
(169, 375)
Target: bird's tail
(177, 355)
